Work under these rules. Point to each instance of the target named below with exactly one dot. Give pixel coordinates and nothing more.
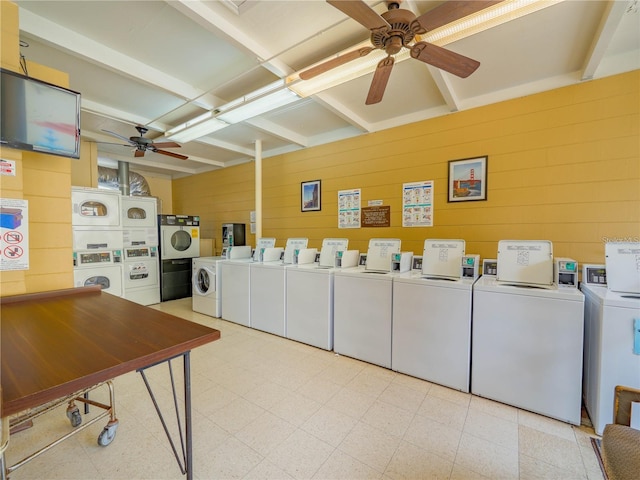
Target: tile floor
(268, 408)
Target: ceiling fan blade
(170, 154)
(335, 62)
(450, 12)
(166, 145)
(138, 153)
(126, 139)
(444, 59)
(380, 79)
(361, 13)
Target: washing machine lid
(380, 253)
(622, 261)
(525, 262)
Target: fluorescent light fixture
(195, 128)
(488, 18)
(260, 105)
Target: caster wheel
(107, 435)
(74, 417)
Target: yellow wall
(563, 165)
(45, 182)
(221, 196)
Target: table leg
(186, 442)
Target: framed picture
(468, 179)
(310, 196)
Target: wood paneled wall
(564, 166)
(45, 182)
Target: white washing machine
(432, 329)
(362, 306)
(139, 221)
(99, 267)
(179, 236)
(141, 275)
(206, 286)
(97, 238)
(527, 347)
(235, 291)
(93, 207)
(309, 297)
(269, 289)
(611, 349)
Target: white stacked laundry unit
(141, 268)
(97, 239)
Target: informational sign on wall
(349, 208)
(14, 234)
(378, 216)
(417, 204)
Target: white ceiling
(161, 63)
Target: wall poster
(417, 204)
(14, 234)
(349, 208)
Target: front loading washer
(206, 286)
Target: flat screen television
(38, 116)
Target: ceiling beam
(206, 15)
(342, 111)
(606, 30)
(279, 131)
(445, 87)
(227, 146)
(96, 52)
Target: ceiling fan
(396, 29)
(143, 144)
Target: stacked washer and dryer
(141, 269)
(179, 237)
(115, 243)
(97, 239)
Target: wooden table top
(56, 343)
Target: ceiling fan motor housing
(404, 28)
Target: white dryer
(139, 221)
(611, 349)
(93, 207)
(99, 267)
(141, 274)
(527, 347)
(206, 286)
(179, 236)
